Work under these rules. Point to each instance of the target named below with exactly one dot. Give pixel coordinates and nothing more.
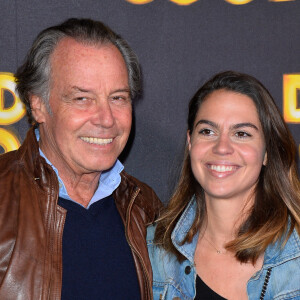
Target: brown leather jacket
(31, 225)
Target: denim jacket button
(187, 270)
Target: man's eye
(120, 99)
(81, 98)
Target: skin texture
(227, 151)
(89, 98)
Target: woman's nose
(223, 145)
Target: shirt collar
(108, 182)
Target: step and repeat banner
(180, 44)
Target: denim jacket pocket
(166, 291)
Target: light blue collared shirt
(108, 182)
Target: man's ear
(38, 109)
(188, 139)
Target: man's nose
(103, 114)
(223, 145)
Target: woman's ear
(38, 108)
(188, 139)
(265, 159)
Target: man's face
(91, 108)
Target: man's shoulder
(7, 155)
(145, 198)
(7, 161)
(134, 181)
(144, 189)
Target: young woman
(231, 229)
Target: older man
(72, 222)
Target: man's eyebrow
(80, 89)
(126, 90)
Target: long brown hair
(276, 209)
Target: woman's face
(227, 146)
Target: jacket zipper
(265, 285)
(128, 240)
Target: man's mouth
(97, 141)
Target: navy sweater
(97, 260)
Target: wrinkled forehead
(73, 59)
(68, 47)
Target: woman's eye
(206, 132)
(242, 134)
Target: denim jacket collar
(275, 254)
(182, 228)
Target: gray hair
(33, 77)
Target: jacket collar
(29, 150)
(275, 254)
(181, 229)
(35, 165)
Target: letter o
(8, 141)
(15, 112)
(183, 2)
(238, 2)
(139, 1)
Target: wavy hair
(33, 77)
(276, 209)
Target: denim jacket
(173, 280)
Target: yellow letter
(280, 0)
(183, 2)
(15, 112)
(291, 83)
(8, 141)
(238, 2)
(139, 1)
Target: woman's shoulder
(283, 250)
(168, 272)
(164, 263)
(281, 270)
